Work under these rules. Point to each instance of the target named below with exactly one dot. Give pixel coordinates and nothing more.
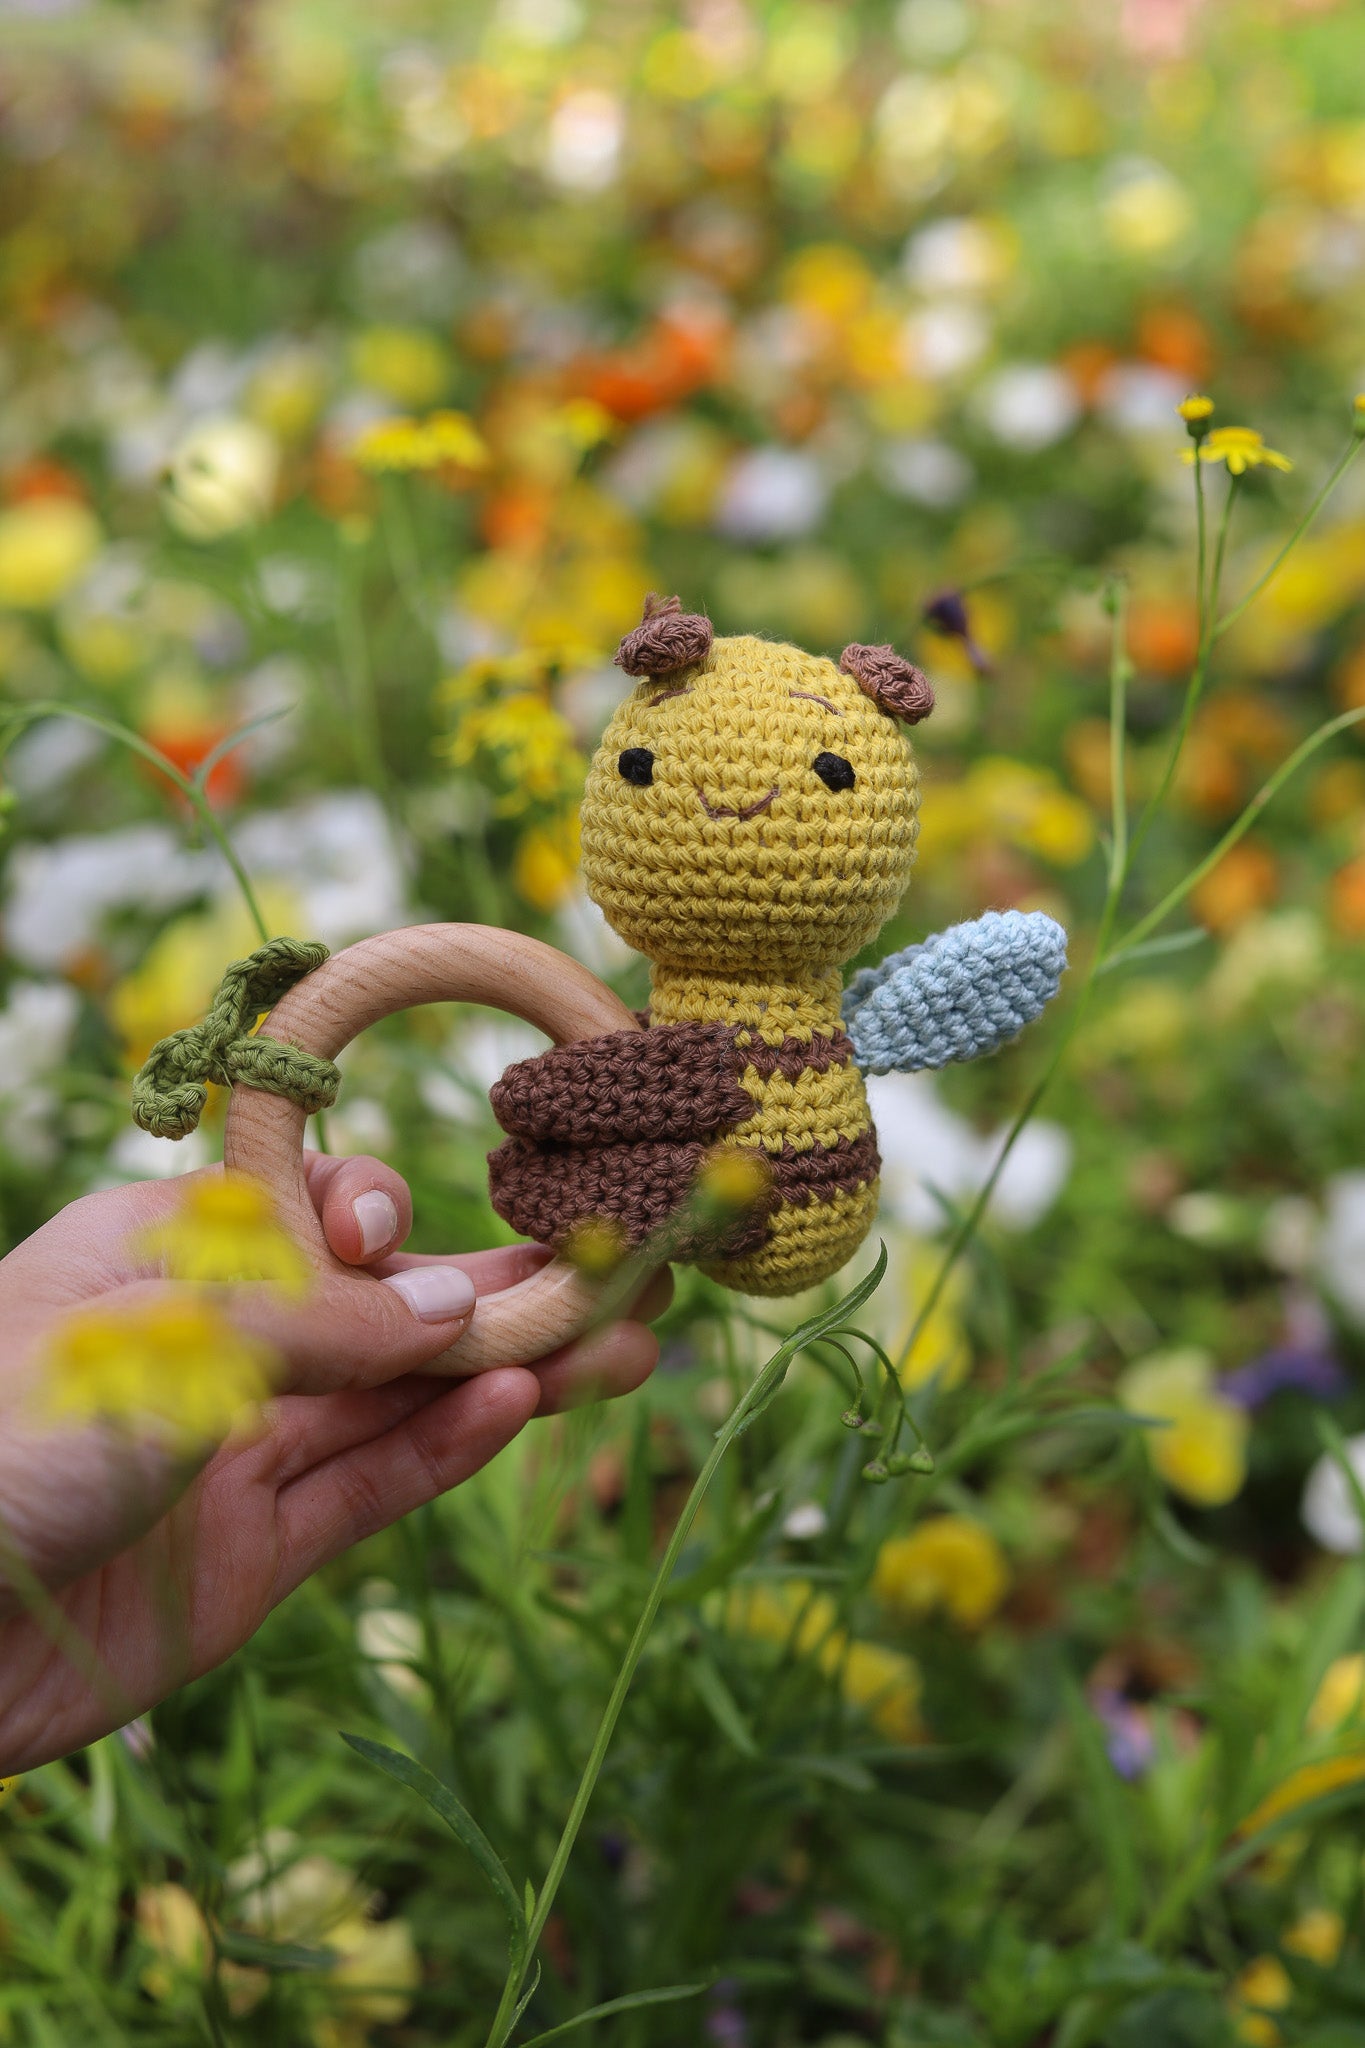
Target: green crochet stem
(171, 1087)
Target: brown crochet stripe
(677, 1081)
(544, 1190)
(791, 1058)
(824, 1170)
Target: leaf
(462, 1825)
(527, 1995)
(667, 1994)
(1151, 949)
(716, 1696)
(274, 1955)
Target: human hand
(126, 1570)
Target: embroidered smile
(726, 811)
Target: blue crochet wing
(959, 994)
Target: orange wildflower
(1245, 880)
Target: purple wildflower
(947, 614)
(1127, 1732)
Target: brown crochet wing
(546, 1190)
(674, 1083)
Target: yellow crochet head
(752, 807)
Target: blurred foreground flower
(175, 1367)
(1197, 1438)
(1241, 448)
(173, 1930)
(46, 544)
(950, 1563)
(402, 444)
(226, 1233)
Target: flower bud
(1196, 411)
(877, 1472)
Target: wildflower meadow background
(361, 369)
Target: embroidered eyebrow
(811, 698)
(679, 690)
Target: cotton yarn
(933, 1004)
(171, 1087)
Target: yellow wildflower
(1195, 408)
(1011, 800)
(226, 1232)
(407, 364)
(1358, 413)
(1198, 1439)
(45, 545)
(941, 1351)
(887, 1686)
(1317, 1935)
(403, 444)
(175, 1365)
(1262, 1988)
(505, 719)
(7, 1786)
(1241, 448)
(772, 1612)
(948, 1562)
(546, 862)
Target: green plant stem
(1120, 672)
(367, 733)
(1194, 689)
(1119, 667)
(1344, 462)
(190, 788)
(587, 1784)
(1239, 827)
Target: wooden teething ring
(427, 963)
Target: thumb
(353, 1330)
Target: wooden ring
(427, 963)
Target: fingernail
(376, 1219)
(434, 1293)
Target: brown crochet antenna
(666, 639)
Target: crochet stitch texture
(171, 1087)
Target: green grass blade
(667, 1994)
(462, 1824)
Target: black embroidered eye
(637, 766)
(833, 770)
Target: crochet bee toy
(749, 824)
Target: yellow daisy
(1241, 448)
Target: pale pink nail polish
(436, 1294)
(377, 1220)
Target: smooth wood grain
(427, 963)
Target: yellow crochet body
(801, 1110)
(749, 824)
